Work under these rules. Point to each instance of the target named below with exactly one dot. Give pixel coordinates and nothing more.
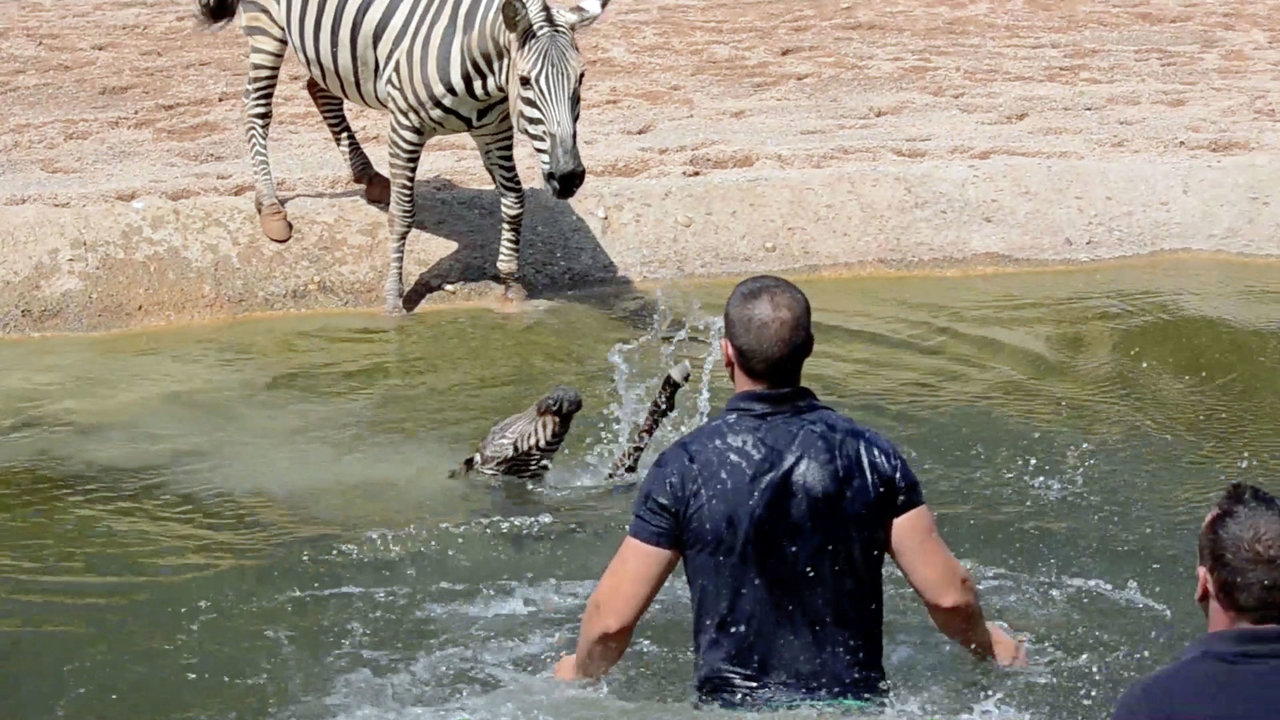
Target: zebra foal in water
(523, 445)
(489, 68)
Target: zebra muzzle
(565, 185)
(563, 172)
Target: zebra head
(546, 74)
(562, 402)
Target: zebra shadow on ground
(560, 256)
(559, 253)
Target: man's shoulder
(1188, 687)
(714, 429)
(684, 450)
(845, 426)
(702, 445)
(1150, 695)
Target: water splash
(638, 369)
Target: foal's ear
(516, 17)
(583, 15)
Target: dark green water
(254, 519)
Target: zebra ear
(516, 17)
(585, 14)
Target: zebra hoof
(514, 293)
(275, 223)
(378, 190)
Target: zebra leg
(266, 52)
(404, 149)
(495, 145)
(377, 189)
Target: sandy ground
(720, 136)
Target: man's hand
(1008, 652)
(567, 668)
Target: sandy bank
(823, 133)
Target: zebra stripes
(523, 445)
(490, 68)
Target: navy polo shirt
(1225, 675)
(781, 510)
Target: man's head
(1238, 579)
(767, 332)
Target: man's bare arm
(946, 588)
(634, 576)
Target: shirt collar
(772, 401)
(1261, 641)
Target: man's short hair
(1240, 546)
(766, 320)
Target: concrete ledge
(153, 260)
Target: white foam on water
(510, 599)
(502, 524)
(376, 592)
(503, 635)
(1050, 482)
(384, 543)
(1046, 592)
(992, 707)
(521, 696)
(1131, 594)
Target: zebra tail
(216, 12)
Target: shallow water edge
(488, 295)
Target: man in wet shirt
(783, 511)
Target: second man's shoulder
(1150, 698)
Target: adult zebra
(484, 67)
